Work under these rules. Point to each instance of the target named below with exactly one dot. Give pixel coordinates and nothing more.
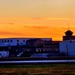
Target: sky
(36, 18)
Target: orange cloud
(40, 27)
(6, 23)
(36, 27)
(11, 33)
(47, 18)
(37, 18)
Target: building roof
(69, 32)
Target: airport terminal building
(26, 47)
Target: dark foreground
(28, 60)
(38, 69)
(41, 58)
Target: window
(10, 40)
(17, 40)
(5, 41)
(2, 40)
(23, 40)
(17, 44)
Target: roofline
(24, 38)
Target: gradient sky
(36, 18)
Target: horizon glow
(36, 18)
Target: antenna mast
(68, 26)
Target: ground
(38, 69)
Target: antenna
(68, 26)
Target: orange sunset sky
(36, 18)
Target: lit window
(37, 50)
(40, 50)
(28, 49)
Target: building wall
(35, 42)
(4, 53)
(52, 46)
(13, 41)
(68, 38)
(67, 47)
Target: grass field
(38, 69)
